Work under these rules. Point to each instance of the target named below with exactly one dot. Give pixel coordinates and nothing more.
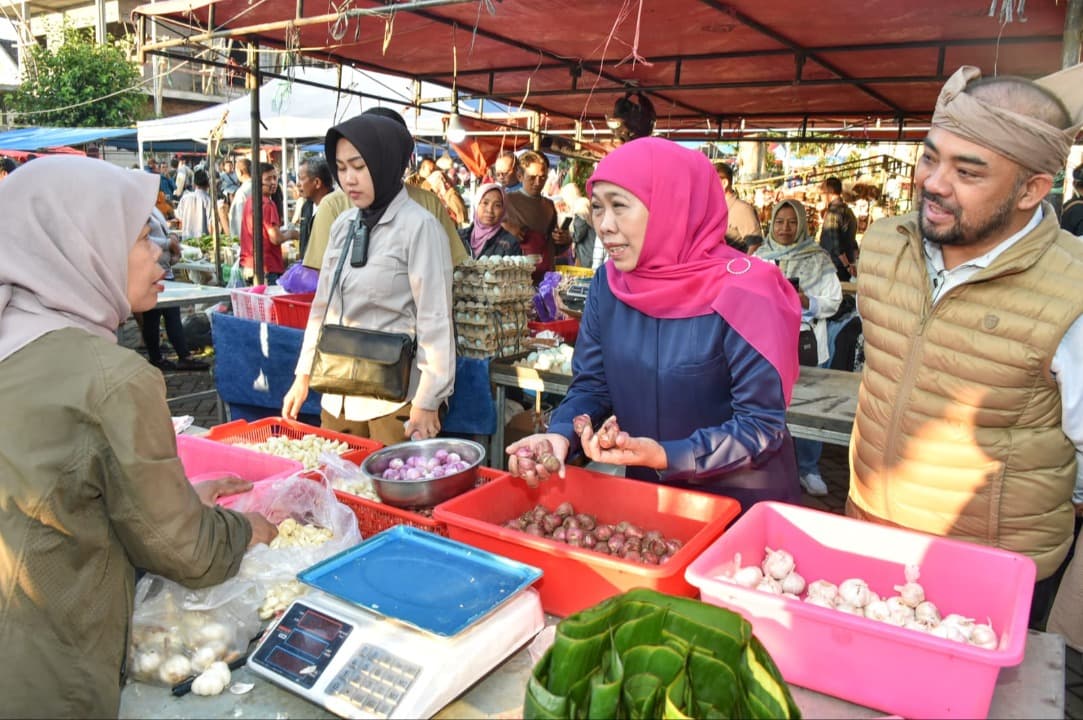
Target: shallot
(608, 432)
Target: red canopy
(716, 70)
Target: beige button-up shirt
(405, 287)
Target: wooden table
(822, 407)
(1034, 689)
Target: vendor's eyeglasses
(360, 240)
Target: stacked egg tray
(492, 297)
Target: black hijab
(385, 146)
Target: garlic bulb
(793, 584)
(949, 632)
(825, 590)
(748, 577)
(878, 610)
(912, 593)
(174, 669)
(843, 606)
(964, 625)
(854, 592)
(146, 662)
(770, 585)
(900, 612)
(777, 564)
(820, 600)
(927, 613)
(984, 636)
(213, 680)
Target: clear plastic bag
(306, 502)
(345, 476)
(178, 632)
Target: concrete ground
(834, 466)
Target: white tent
(292, 110)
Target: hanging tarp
(42, 138)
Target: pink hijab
(482, 233)
(65, 254)
(685, 268)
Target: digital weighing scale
(400, 625)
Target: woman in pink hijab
(486, 236)
(691, 344)
(91, 487)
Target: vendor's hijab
(804, 259)
(65, 254)
(385, 146)
(482, 233)
(1025, 140)
(685, 268)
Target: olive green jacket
(90, 489)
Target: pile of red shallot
(907, 609)
(623, 539)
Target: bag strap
(347, 248)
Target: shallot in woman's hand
(537, 457)
(608, 432)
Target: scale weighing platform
(400, 625)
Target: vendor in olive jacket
(91, 487)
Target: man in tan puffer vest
(970, 414)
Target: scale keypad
(374, 680)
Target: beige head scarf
(65, 252)
(1022, 139)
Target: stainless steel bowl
(430, 491)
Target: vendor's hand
(628, 450)
(295, 397)
(561, 237)
(210, 490)
(804, 299)
(423, 424)
(524, 460)
(263, 531)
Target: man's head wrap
(1028, 141)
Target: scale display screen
(302, 645)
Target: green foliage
(74, 80)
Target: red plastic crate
(567, 329)
(243, 431)
(374, 517)
(576, 578)
(292, 309)
(203, 457)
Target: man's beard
(961, 233)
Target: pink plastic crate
(871, 663)
(202, 457)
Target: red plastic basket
(292, 309)
(576, 578)
(567, 329)
(374, 517)
(243, 431)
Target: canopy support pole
(1073, 33)
(257, 176)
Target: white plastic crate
(252, 306)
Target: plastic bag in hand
(299, 279)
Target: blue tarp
(41, 138)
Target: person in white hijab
(91, 487)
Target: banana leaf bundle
(644, 654)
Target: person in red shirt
(273, 264)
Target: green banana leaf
(644, 654)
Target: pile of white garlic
(555, 360)
(306, 449)
(908, 609)
(291, 534)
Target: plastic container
(252, 306)
(567, 329)
(203, 457)
(292, 309)
(373, 517)
(575, 578)
(899, 671)
(574, 271)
